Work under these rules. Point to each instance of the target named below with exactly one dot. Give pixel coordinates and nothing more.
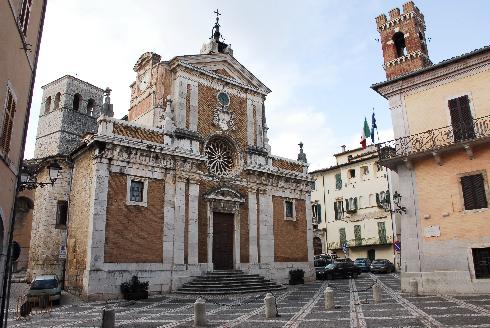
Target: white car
(45, 285)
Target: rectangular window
(364, 170)
(461, 120)
(339, 209)
(481, 261)
(61, 214)
(357, 235)
(25, 13)
(343, 238)
(352, 173)
(136, 191)
(288, 208)
(319, 213)
(474, 194)
(338, 181)
(382, 232)
(8, 122)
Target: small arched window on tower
(76, 101)
(399, 41)
(90, 107)
(47, 105)
(57, 101)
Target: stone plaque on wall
(432, 231)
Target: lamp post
(25, 181)
(397, 208)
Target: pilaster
(309, 227)
(179, 220)
(266, 237)
(252, 227)
(169, 219)
(193, 227)
(194, 110)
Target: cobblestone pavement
(299, 306)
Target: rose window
(220, 157)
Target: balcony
(434, 142)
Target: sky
(319, 58)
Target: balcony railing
(433, 140)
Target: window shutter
(479, 188)
(355, 203)
(319, 213)
(468, 195)
(336, 210)
(378, 202)
(461, 119)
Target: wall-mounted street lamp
(397, 198)
(27, 181)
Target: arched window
(47, 105)
(90, 107)
(57, 101)
(76, 101)
(399, 40)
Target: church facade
(185, 184)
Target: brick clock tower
(403, 41)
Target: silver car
(45, 285)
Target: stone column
(210, 236)
(193, 242)
(236, 250)
(179, 221)
(266, 237)
(96, 227)
(252, 227)
(169, 219)
(309, 227)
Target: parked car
(382, 266)
(363, 264)
(336, 269)
(45, 285)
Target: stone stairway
(228, 282)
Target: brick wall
(134, 234)
(138, 133)
(286, 165)
(290, 243)
(79, 217)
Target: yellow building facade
(441, 151)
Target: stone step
(228, 282)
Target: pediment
(222, 66)
(224, 194)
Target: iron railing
(434, 139)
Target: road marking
(424, 318)
(356, 316)
(306, 309)
(463, 304)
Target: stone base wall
(105, 284)
(445, 282)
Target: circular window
(220, 156)
(223, 98)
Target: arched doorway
(371, 254)
(317, 246)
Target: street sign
(345, 248)
(62, 252)
(398, 246)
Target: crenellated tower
(403, 40)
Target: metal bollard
(200, 312)
(414, 287)
(328, 294)
(270, 306)
(108, 318)
(377, 293)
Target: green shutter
(357, 235)
(319, 213)
(382, 233)
(338, 181)
(343, 238)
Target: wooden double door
(223, 236)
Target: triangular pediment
(222, 66)
(224, 194)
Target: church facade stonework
(187, 184)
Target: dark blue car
(363, 264)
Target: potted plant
(296, 277)
(134, 289)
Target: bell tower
(403, 41)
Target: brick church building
(185, 184)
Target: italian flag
(366, 133)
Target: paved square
(298, 306)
